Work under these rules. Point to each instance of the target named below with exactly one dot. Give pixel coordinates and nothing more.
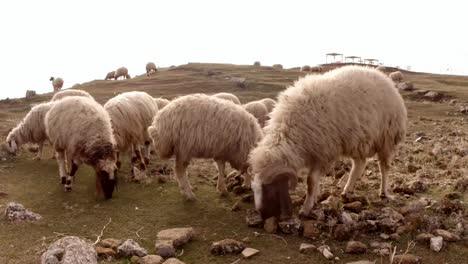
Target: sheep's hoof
(304, 212)
(68, 189)
(190, 197)
(63, 180)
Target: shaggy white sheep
(258, 110)
(269, 104)
(30, 130)
(70, 92)
(228, 97)
(110, 76)
(317, 69)
(57, 83)
(80, 129)
(131, 114)
(150, 68)
(121, 72)
(202, 126)
(396, 76)
(305, 68)
(349, 112)
(161, 102)
(381, 68)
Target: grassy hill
(148, 208)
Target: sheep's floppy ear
(12, 147)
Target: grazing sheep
(30, 130)
(70, 92)
(381, 68)
(110, 76)
(269, 104)
(277, 66)
(305, 68)
(80, 129)
(150, 68)
(202, 126)
(228, 97)
(131, 114)
(258, 110)
(57, 83)
(396, 76)
(121, 72)
(257, 63)
(161, 102)
(349, 112)
(316, 69)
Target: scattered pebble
(249, 252)
(227, 246)
(307, 248)
(436, 243)
(355, 247)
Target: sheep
(257, 63)
(396, 76)
(150, 68)
(70, 92)
(305, 68)
(269, 104)
(381, 68)
(203, 126)
(351, 112)
(228, 97)
(31, 129)
(277, 66)
(316, 69)
(258, 110)
(161, 102)
(110, 76)
(121, 72)
(80, 129)
(57, 83)
(131, 114)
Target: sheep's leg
(60, 155)
(359, 165)
(313, 190)
(147, 151)
(247, 180)
(39, 151)
(182, 179)
(384, 166)
(221, 185)
(71, 176)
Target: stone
(239, 82)
(436, 243)
(411, 168)
(448, 206)
(271, 225)
(253, 218)
(30, 94)
(164, 248)
(354, 206)
(346, 218)
(305, 248)
(450, 237)
(291, 226)
(311, 229)
(406, 259)
(173, 261)
(105, 252)
(135, 260)
(69, 250)
(317, 214)
(332, 202)
(249, 252)
(227, 246)
(405, 86)
(417, 186)
(151, 259)
(433, 96)
(389, 220)
(414, 206)
(355, 247)
(325, 250)
(424, 238)
(342, 232)
(110, 243)
(178, 236)
(15, 212)
(403, 190)
(131, 248)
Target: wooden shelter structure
(352, 58)
(371, 61)
(333, 54)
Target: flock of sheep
(352, 111)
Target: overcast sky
(83, 40)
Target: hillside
(440, 158)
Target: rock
(271, 225)
(325, 250)
(236, 206)
(332, 202)
(253, 218)
(307, 248)
(15, 212)
(453, 102)
(453, 195)
(450, 237)
(361, 262)
(436, 243)
(355, 247)
(424, 238)
(405, 86)
(317, 214)
(311, 229)
(227, 246)
(354, 206)
(110, 243)
(430, 223)
(178, 236)
(69, 250)
(30, 94)
(239, 82)
(105, 252)
(417, 186)
(394, 237)
(291, 226)
(249, 252)
(164, 248)
(411, 168)
(414, 206)
(433, 96)
(448, 206)
(406, 259)
(173, 261)
(151, 259)
(389, 220)
(346, 219)
(461, 185)
(131, 248)
(404, 190)
(343, 232)
(246, 240)
(135, 260)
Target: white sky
(83, 40)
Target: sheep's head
(106, 177)
(51, 79)
(11, 143)
(271, 191)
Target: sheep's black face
(107, 182)
(273, 199)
